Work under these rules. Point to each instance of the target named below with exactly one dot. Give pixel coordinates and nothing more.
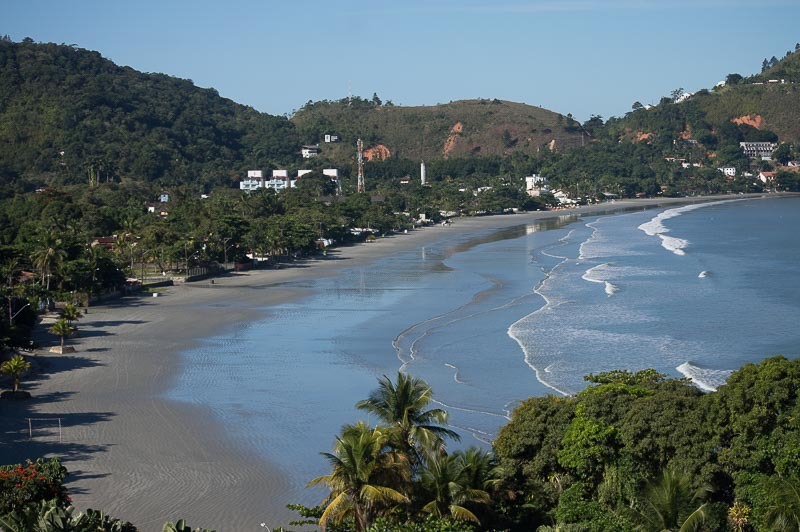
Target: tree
(784, 513)
(402, 407)
(71, 313)
(637, 106)
(447, 482)
(361, 476)
(50, 253)
(733, 79)
(15, 367)
(668, 503)
(63, 329)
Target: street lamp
(225, 250)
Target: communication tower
(360, 159)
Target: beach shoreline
(142, 457)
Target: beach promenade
(146, 459)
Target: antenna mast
(360, 159)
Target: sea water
(491, 319)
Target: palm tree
(70, 313)
(449, 482)
(49, 254)
(784, 513)
(15, 367)
(362, 472)
(402, 407)
(669, 504)
(63, 329)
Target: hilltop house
(309, 151)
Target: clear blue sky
(572, 56)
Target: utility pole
(360, 159)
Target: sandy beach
(146, 459)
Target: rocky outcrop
(450, 143)
(757, 121)
(379, 152)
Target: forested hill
(763, 106)
(458, 129)
(69, 115)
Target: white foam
(706, 379)
(674, 244)
(655, 226)
(595, 275)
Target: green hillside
(69, 115)
(454, 130)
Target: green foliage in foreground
(633, 451)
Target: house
(535, 185)
(729, 171)
(164, 197)
(766, 177)
(254, 181)
(309, 151)
(758, 150)
(405, 180)
(331, 138)
(158, 208)
(301, 173)
(563, 198)
(106, 242)
(333, 173)
(249, 185)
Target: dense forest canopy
(68, 115)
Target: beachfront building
(535, 185)
(563, 198)
(758, 150)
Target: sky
(585, 57)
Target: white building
(309, 151)
(729, 171)
(301, 173)
(758, 150)
(251, 184)
(331, 138)
(333, 173)
(535, 185)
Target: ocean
(491, 319)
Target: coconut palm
(50, 253)
(63, 329)
(402, 407)
(449, 484)
(669, 503)
(15, 367)
(361, 476)
(784, 513)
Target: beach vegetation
(15, 367)
(32, 482)
(362, 476)
(403, 407)
(62, 329)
